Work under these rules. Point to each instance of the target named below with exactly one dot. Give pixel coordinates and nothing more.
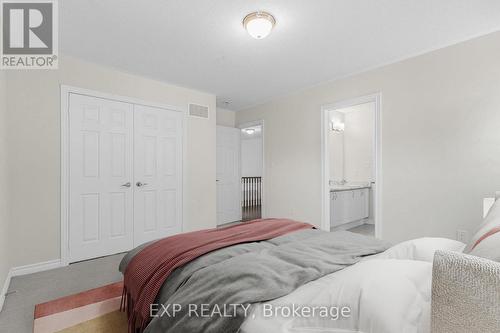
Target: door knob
(139, 184)
(127, 184)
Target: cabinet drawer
(349, 206)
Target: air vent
(196, 110)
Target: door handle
(139, 184)
(127, 184)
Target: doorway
(351, 166)
(240, 173)
(251, 171)
(228, 175)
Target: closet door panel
(100, 167)
(157, 173)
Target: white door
(157, 173)
(228, 175)
(100, 177)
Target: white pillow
(486, 241)
(421, 249)
(488, 248)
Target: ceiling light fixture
(250, 131)
(259, 24)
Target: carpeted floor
(28, 290)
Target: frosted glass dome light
(259, 24)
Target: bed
(314, 281)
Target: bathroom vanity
(349, 203)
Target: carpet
(92, 311)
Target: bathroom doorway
(351, 166)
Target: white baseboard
(27, 269)
(35, 268)
(5, 289)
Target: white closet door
(157, 173)
(228, 175)
(100, 177)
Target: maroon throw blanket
(148, 270)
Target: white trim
(119, 98)
(5, 289)
(64, 175)
(260, 122)
(65, 91)
(184, 166)
(325, 163)
(24, 270)
(35, 268)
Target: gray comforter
(224, 283)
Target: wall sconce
(337, 126)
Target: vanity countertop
(348, 187)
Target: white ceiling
(201, 44)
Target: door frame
(259, 122)
(65, 91)
(325, 161)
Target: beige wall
(225, 117)
(359, 138)
(440, 140)
(4, 248)
(34, 150)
